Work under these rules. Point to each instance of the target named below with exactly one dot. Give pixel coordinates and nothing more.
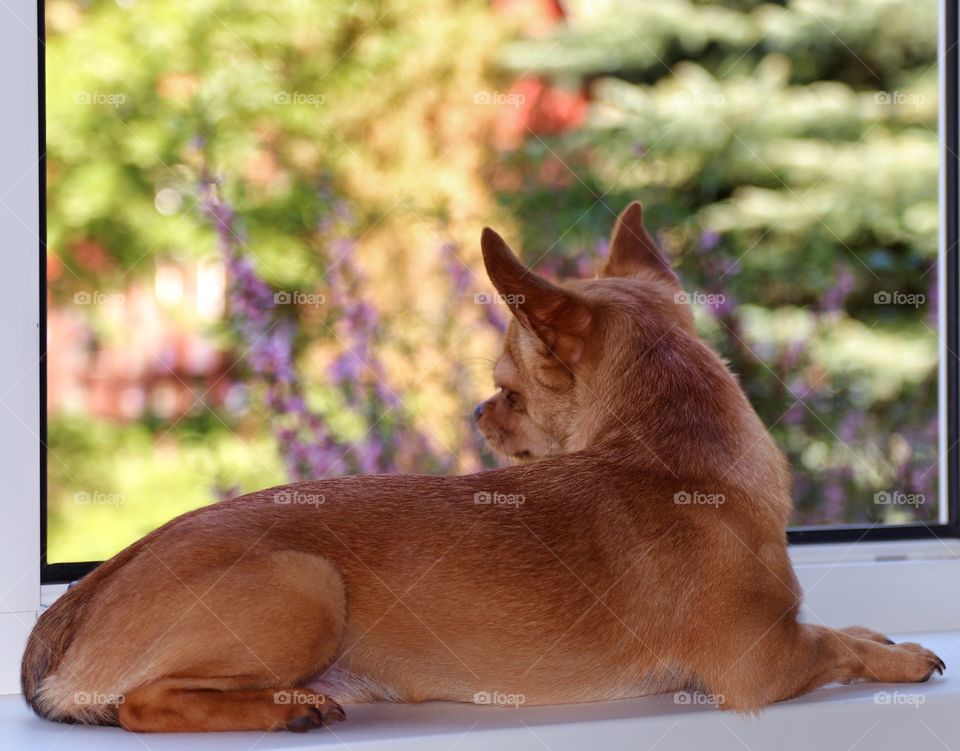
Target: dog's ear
(558, 317)
(633, 251)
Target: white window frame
(20, 224)
(902, 586)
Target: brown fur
(577, 576)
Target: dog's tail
(48, 641)
(53, 633)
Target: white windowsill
(835, 717)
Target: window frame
(948, 321)
(896, 586)
(949, 301)
(20, 149)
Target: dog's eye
(513, 399)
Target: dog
(637, 547)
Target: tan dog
(643, 551)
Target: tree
(788, 155)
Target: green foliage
(788, 156)
(293, 104)
(786, 153)
(283, 98)
(111, 484)
(872, 41)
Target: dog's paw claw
(919, 663)
(332, 712)
(303, 723)
(314, 711)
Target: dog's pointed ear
(633, 251)
(556, 316)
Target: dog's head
(570, 349)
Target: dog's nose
(478, 411)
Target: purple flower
(601, 248)
(309, 450)
(850, 426)
(457, 270)
(709, 240)
(585, 267)
(268, 337)
(836, 296)
(791, 354)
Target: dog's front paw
(909, 663)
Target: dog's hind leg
(169, 705)
(229, 647)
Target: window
(799, 161)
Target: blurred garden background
(263, 258)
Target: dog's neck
(679, 411)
